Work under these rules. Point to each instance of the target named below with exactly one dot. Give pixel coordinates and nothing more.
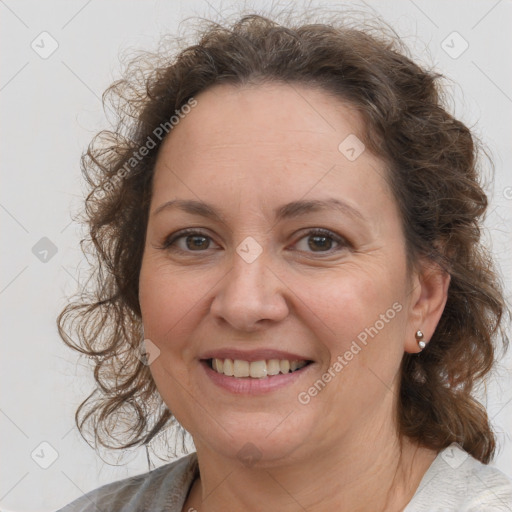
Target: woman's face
(258, 282)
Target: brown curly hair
(434, 166)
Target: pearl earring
(419, 339)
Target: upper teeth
(255, 369)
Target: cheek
(346, 300)
(169, 302)
(354, 306)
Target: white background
(51, 108)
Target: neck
(370, 472)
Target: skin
(247, 151)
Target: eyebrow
(288, 211)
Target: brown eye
(194, 241)
(322, 241)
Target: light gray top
(454, 482)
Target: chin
(256, 440)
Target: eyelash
(169, 242)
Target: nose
(250, 296)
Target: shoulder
(493, 489)
(164, 488)
(456, 481)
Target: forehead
(276, 114)
(268, 140)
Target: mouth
(261, 369)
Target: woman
(291, 224)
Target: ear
(429, 294)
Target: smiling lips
(255, 369)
